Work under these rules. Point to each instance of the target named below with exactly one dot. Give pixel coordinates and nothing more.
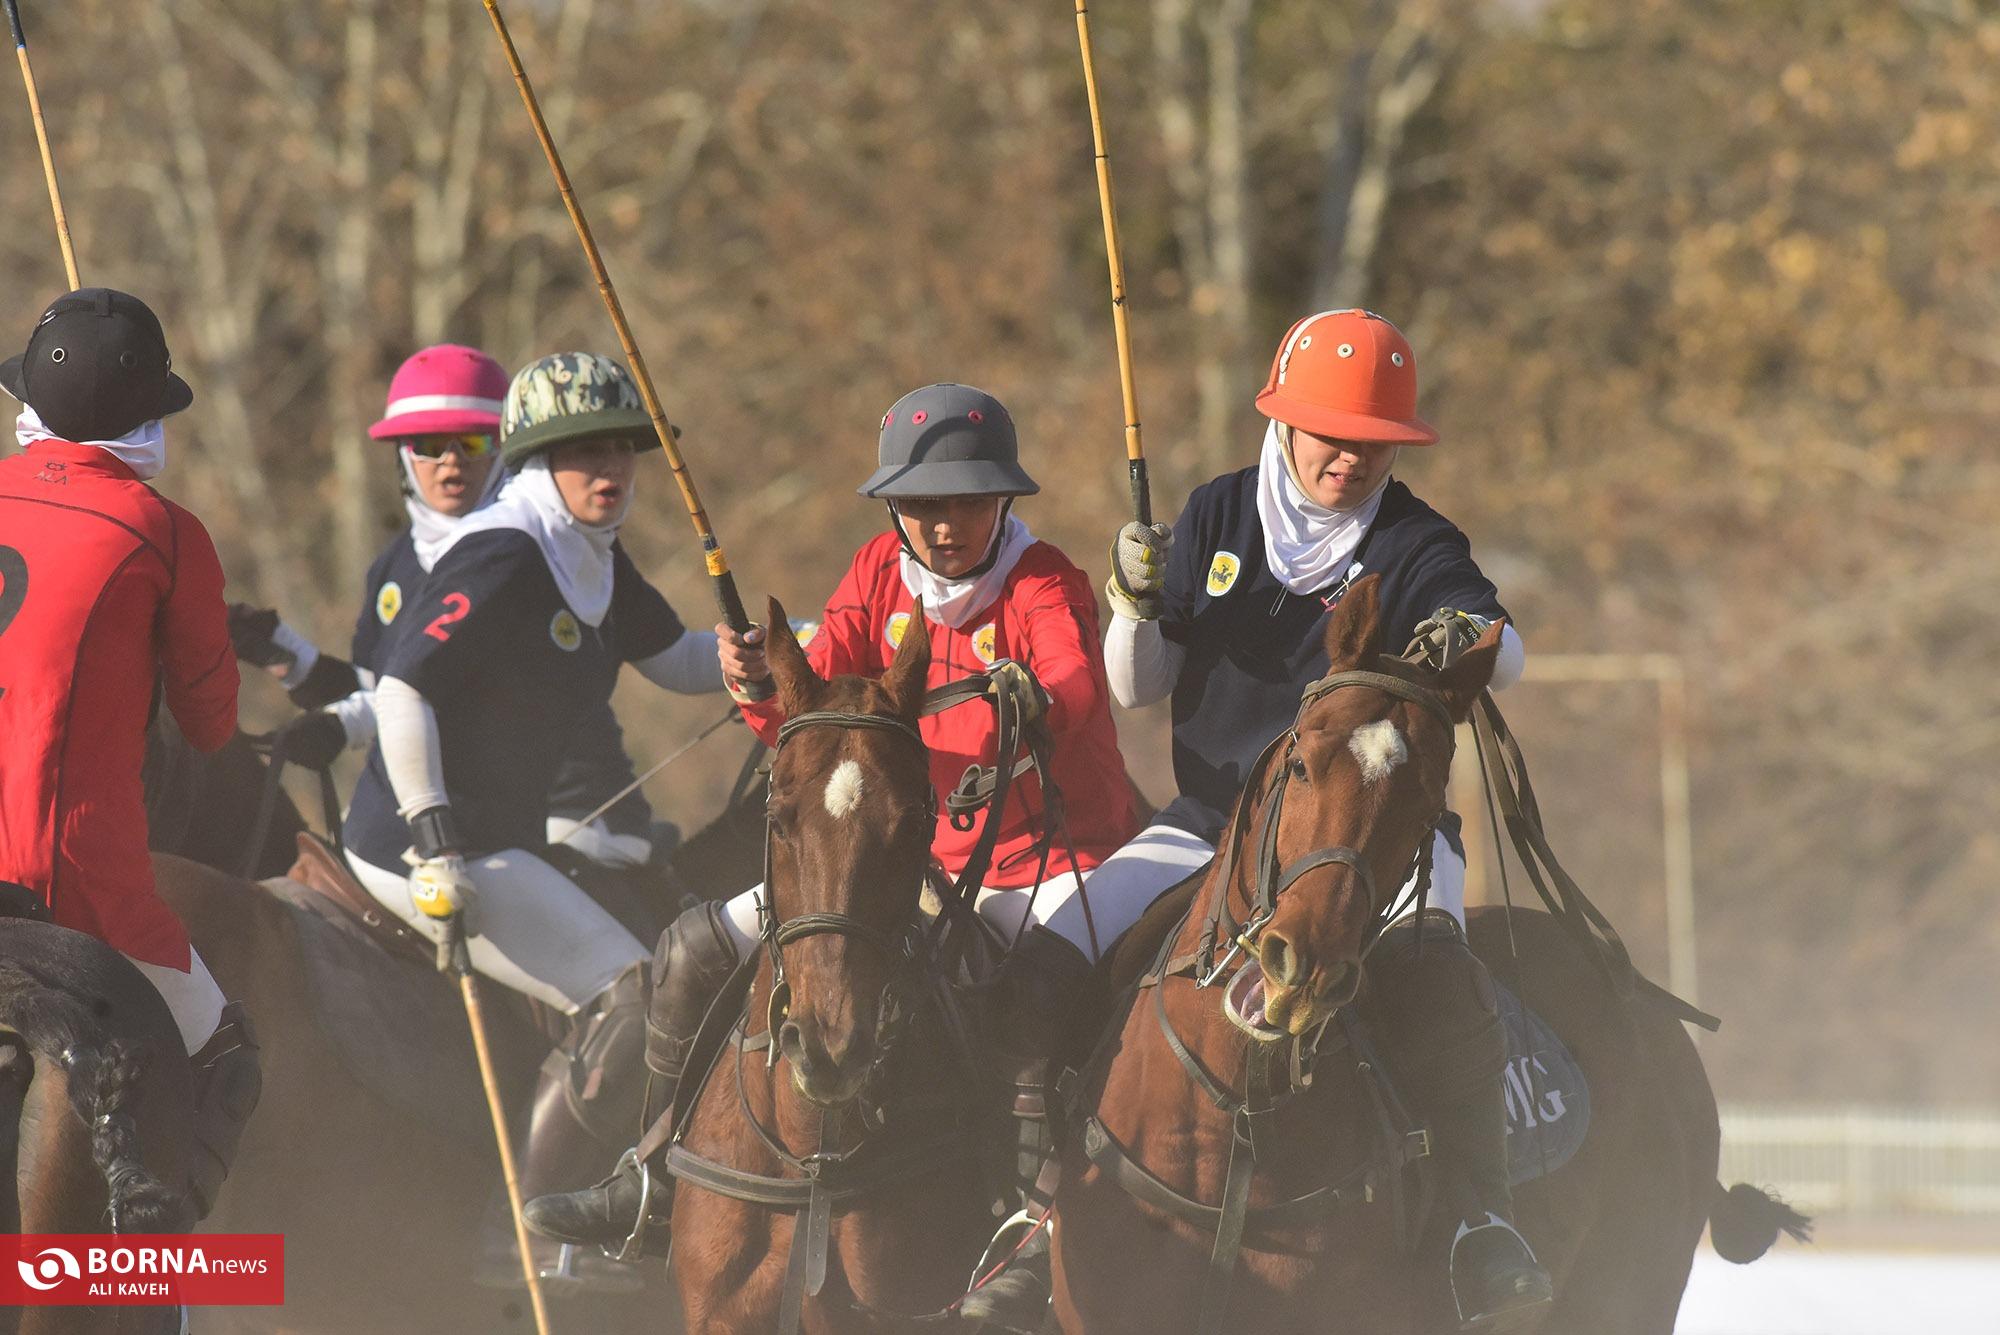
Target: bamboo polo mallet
(42, 139)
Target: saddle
(322, 872)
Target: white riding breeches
(538, 932)
(192, 996)
(597, 842)
(1119, 890)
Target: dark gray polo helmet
(948, 440)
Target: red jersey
(1045, 618)
(104, 586)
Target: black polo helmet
(97, 366)
(948, 440)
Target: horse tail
(1743, 1223)
(103, 1080)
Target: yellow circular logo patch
(565, 632)
(982, 643)
(1222, 573)
(388, 602)
(897, 625)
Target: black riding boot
(1444, 1023)
(695, 957)
(229, 1080)
(1039, 988)
(590, 1092)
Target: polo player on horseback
(110, 593)
(1225, 614)
(998, 602)
(443, 422)
(512, 643)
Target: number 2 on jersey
(457, 605)
(13, 588)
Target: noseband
(1272, 879)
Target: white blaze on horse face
(1379, 748)
(843, 790)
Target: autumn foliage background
(1706, 300)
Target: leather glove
(1139, 570)
(1445, 634)
(262, 639)
(1032, 699)
(314, 740)
(440, 887)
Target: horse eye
(1298, 768)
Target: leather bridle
(901, 948)
(1271, 878)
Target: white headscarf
(951, 602)
(431, 530)
(579, 554)
(143, 449)
(1305, 544)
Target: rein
(1273, 1071)
(829, 1177)
(273, 744)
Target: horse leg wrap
(693, 960)
(229, 1081)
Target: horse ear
(798, 684)
(1461, 683)
(908, 676)
(1356, 625)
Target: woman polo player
(1225, 614)
(443, 422)
(512, 644)
(998, 602)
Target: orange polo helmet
(1349, 375)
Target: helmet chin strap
(992, 543)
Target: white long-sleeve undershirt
(1142, 665)
(689, 667)
(410, 749)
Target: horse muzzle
(820, 1077)
(1282, 994)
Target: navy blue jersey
(395, 577)
(514, 676)
(595, 767)
(1253, 646)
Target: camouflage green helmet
(569, 397)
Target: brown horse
(97, 1098)
(1319, 1251)
(852, 1127)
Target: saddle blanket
(397, 1028)
(1548, 1099)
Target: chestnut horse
(840, 1149)
(97, 1102)
(1617, 1226)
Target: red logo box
(142, 1269)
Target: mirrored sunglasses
(471, 445)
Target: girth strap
(1103, 1149)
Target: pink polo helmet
(442, 390)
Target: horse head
(851, 818)
(1356, 788)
